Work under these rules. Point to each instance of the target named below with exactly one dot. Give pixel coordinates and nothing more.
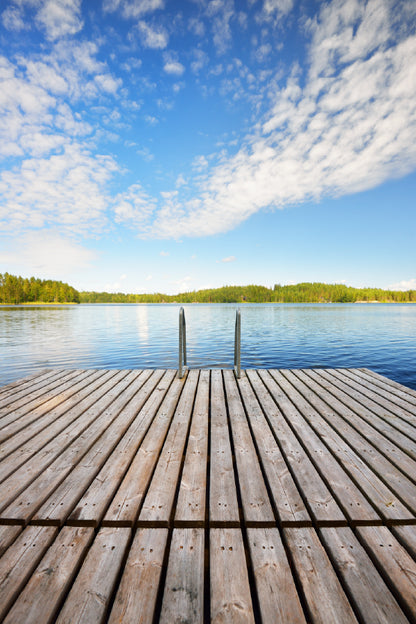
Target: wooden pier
(285, 496)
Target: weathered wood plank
(254, 497)
(320, 501)
(288, 503)
(387, 385)
(393, 385)
(370, 595)
(135, 601)
(325, 598)
(158, 504)
(8, 534)
(354, 399)
(21, 387)
(24, 423)
(223, 504)
(370, 425)
(301, 415)
(190, 507)
(347, 449)
(35, 484)
(183, 597)
(156, 414)
(40, 599)
(406, 534)
(132, 485)
(395, 564)
(21, 403)
(378, 394)
(276, 590)
(372, 400)
(64, 498)
(19, 561)
(64, 423)
(230, 589)
(89, 598)
(14, 386)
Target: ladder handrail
(182, 366)
(237, 344)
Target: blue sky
(158, 145)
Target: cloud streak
(347, 126)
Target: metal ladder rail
(237, 344)
(182, 367)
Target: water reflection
(381, 337)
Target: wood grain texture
(183, 596)
(230, 589)
(135, 601)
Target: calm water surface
(377, 336)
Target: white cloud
(132, 8)
(45, 253)
(66, 190)
(60, 17)
(173, 67)
(151, 38)
(229, 259)
(12, 19)
(220, 14)
(347, 126)
(164, 253)
(404, 285)
(276, 7)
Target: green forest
(315, 292)
(17, 290)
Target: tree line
(15, 290)
(307, 292)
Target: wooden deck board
(283, 496)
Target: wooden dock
(286, 496)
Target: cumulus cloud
(229, 259)
(156, 39)
(173, 67)
(346, 126)
(60, 18)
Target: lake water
(377, 336)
